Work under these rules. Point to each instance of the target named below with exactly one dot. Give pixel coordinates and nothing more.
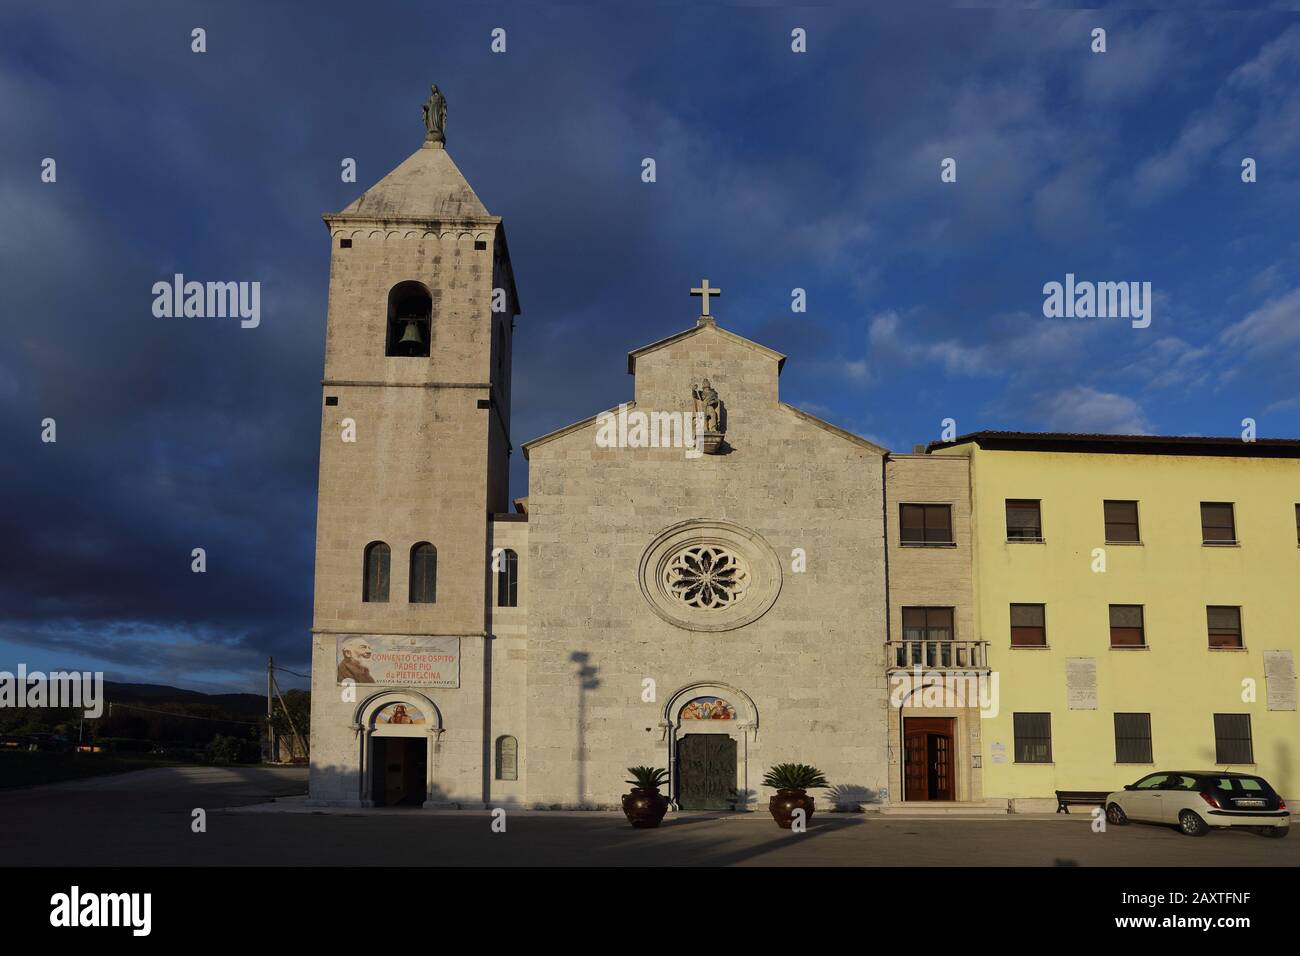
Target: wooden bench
(1079, 798)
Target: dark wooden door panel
(941, 766)
(706, 772)
(914, 755)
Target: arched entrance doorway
(934, 737)
(710, 729)
(399, 744)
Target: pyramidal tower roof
(427, 185)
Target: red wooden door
(939, 754)
(914, 754)
(929, 770)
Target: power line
(294, 673)
(168, 713)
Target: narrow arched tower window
(374, 586)
(424, 574)
(507, 758)
(508, 580)
(410, 320)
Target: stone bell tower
(415, 439)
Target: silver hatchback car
(1201, 800)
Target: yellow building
(1140, 597)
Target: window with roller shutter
(1232, 740)
(1126, 628)
(1024, 520)
(925, 524)
(1028, 625)
(1218, 525)
(1121, 522)
(1133, 738)
(1033, 738)
(1224, 626)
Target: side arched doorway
(399, 734)
(710, 730)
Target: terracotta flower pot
(644, 808)
(785, 802)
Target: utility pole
(299, 742)
(270, 727)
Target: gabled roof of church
(427, 185)
(566, 429)
(700, 327)
(705, 322)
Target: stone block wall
(812, 665)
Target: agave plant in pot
(645, 806)
(792, 781)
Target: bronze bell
(412, 339)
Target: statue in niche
(708, 407)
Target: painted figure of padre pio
(355, 665)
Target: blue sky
(775, 170)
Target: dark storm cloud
(775, 171)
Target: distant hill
(246, 705)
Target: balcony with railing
(935, 655)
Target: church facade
(698, 611)
(712, 603)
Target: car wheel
(1115, 814)
(1276, 833)
(1190, 823)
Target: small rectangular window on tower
(331, 399)
(479, 245)
(345, 243)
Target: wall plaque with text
(1081, 683)
(1279, 679)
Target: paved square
(144, 818)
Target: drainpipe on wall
(884, 536)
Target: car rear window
(1241, 785)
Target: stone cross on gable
(703, 291)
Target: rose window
(708, 577)
(709, 574)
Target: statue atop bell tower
(435, 116)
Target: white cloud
(1169, 361)
(1015, 344)
(1274, 325)
(1201, 135)
(1225, 121)
(1283, 405)
(1271, 57)
(1083, 409)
